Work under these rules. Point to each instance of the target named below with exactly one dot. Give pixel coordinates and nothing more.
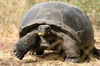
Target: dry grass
(9, 60)
(11, 13)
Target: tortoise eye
(48, 32)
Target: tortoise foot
(20, 54)
(32, 53)
(73, 60)
(35, 53)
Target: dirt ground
(7, 57)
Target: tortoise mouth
(41, 34)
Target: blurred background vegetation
(12, 12)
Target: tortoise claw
(20, 54)
(74, 60)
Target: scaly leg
(71, 49)
(26, 43)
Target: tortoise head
(44, 30)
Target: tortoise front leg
(26, 43)
(72, 50)
(56, 53)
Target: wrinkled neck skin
(47, 40)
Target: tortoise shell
(60, 16)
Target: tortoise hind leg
(25, 44)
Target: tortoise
(57, 20)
